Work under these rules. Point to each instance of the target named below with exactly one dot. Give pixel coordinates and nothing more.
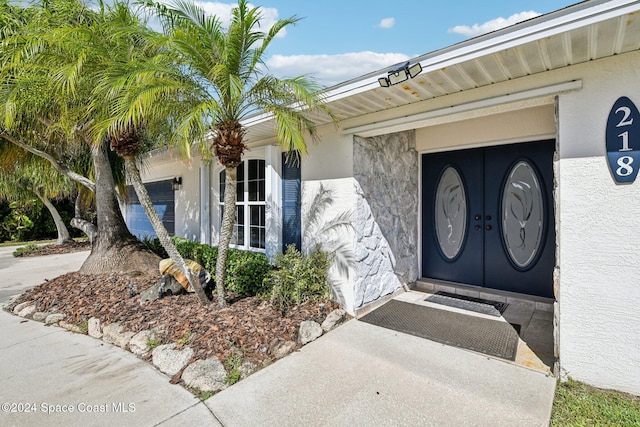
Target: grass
(36, 242)
(577, 404)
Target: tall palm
(133, 69)
(46, 91)
(228, 70)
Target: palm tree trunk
(114, 248)
(63, 232)
(133, 175)
(226, 231)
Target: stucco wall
(528, 124)
(599, 236)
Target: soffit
(584, 32)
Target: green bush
(298, 278)
(246, 270)
(25, 250)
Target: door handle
(488, 217)
(478, 217)
(478, 227)
(488, 227)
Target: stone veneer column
(386, 220)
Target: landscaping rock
(169, 360)
(309, 331)
(18, 308)
(283, 348)
(205, 375)
(54, 318)
(247, 368)
(139, 344)
(151, 293)
(114, 334)
(28, 311)
(93, 328)
(40, 316)
(70, 327)
(333, 319)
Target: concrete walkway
(358, 374)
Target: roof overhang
(580, 33)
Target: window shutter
(291, 201)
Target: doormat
(479, 305)
(485, 336)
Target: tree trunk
(80, 223)
(133, 175)
(226, 231)
(63, 232)
(114, 248)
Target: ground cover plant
(577, 404)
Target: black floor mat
(460, 330)
(479, 305)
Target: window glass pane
(240, 215)
(450, 212)
(255, 215)
(257, 237)
(223, 179)
(240, 182)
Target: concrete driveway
(358, 374)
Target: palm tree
(44, 94)
(231, 82)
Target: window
(249, 229)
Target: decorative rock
(40, 316)
(28, 311)
(169, 360)
(54, 318)
(70, 327)
(281, 349)
(151, 293)
(247, 368)
(309, 331)
(20, 306)
(114, 334)
(334, 318)
(139, 344)
(93, 328)
(205, 375)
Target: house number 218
(623, 140)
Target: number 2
(625, 119)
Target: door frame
(553, 201)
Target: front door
(487, 217)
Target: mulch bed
(249, 327)
(53, 249)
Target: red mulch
(249, 326)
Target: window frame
(247, 204)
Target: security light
(400, 73)
(176, 183)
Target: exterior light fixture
(400, 73)
(176, 183)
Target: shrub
(29, 248)
(246, 270)
(298, 278)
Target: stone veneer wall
(386, 220)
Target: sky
(337, 40)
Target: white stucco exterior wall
(599, 236)
(328, 171)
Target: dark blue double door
(487, 217)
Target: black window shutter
(291, 216)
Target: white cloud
(387, 23)
(332, 69)
(493, 25)
(223, 12)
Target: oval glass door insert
(522, 214)
(450, 212)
